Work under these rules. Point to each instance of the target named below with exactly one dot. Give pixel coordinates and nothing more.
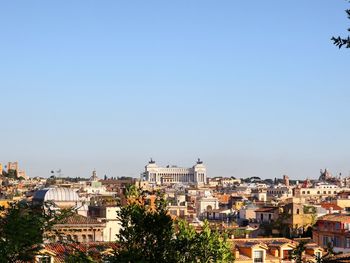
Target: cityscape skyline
(253, 88)
(58, 172)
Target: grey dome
(58, 194)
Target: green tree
(298, 252)
(206, 246)
(22, 229)
(149, 235)
(10, 174)
(146, 233)
(185, 242)
(342, 41)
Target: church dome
(58, 194)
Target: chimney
(236, 253)
(331, 210)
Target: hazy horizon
(252, 88)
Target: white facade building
(319, 191)
(155, 174)
(206, 204)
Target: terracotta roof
(279, 243)
(330, 205)
(223, 198)
(253, 241)
(335, 218)
(268, 242)
(251, 244)
(80, 220)
(62, 250)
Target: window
(337, 242)
(44, 259)
(326, 225)
(326, 240)
(298, 211)
(303, 192)
(287, 254)
(337, 226)
(258, 256)
(347, 242)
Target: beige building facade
(79, 229)
(318, 192)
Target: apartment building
(271, 250)
(334, 230)
(318, 192)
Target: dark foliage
(342, 41)
(297, 254)
(22, 229)
(10, 174)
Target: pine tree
(342, 41)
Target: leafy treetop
(342, 41)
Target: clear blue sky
(251, 87)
